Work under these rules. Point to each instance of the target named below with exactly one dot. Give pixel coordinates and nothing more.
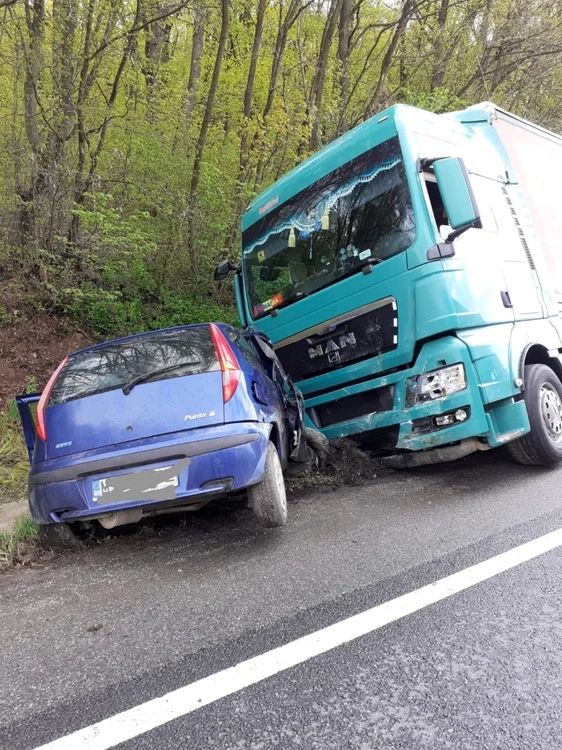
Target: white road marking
(154, 713)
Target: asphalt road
(103, 630)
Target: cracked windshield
(360, 213)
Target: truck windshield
(359, 213)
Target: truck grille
(352, 407)
(368, 332)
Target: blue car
(159, 422)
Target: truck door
(518, 267)
(27, 406)
(483, 296)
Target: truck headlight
(440, 383)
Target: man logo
(332, 347)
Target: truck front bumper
(386, 404)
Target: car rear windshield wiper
(147, 375)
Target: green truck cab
(409, 276)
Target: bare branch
(139, 27)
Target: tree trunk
(197, 47)
(156, 49)
(83, 181)
(344, 45)
(249, 93)
(56, 161)
(407, 11)
(296, 7)
(317, 87)
(35, 19)
(196, 174)
(438, 72)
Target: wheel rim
(551, 410)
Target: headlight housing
(439, 383)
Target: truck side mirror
(456, 191)
(223, 269)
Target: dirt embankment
(31, 344)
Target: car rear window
(117, 363)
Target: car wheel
(542, 446)
(58, 536)
(268, 499)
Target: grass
(14, 467)
(14, 463)
(15, 544)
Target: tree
(133, 132)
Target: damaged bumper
(220, 460)
(390, 406)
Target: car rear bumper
(219, 459)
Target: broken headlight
(439, 383)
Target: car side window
(248, 348)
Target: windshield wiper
(147, 375)
(366, 267)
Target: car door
(266, 385)
(27, 406)
(292, 404)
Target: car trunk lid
(135, 388)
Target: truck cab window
(437, 207)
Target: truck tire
(268, 498)
(542, 446)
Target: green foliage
(31, 384)
(5, 317)
(13, 456)
(100, 139)
(439, 100)
(125, 288)
(26, 528)
(13, 543)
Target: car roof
(191, 326)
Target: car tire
(542, 446)
(58, 536)
(268, 499)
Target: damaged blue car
(163, 421)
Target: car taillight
(42, 405)
(228, 363)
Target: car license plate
(139, 486)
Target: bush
(13, 456)
(113, 284)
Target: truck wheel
(58, 536)
(268, 498)
(542, 446)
